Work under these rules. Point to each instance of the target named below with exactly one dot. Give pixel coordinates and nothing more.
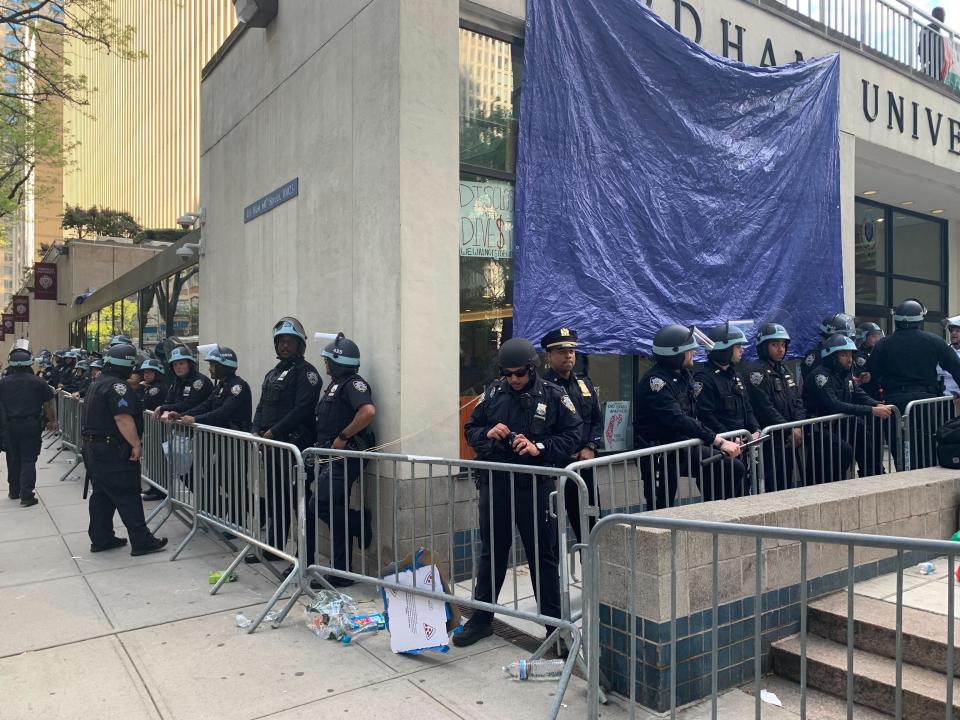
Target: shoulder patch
(197, 384)
(120, 389)
(808, 360)
(697, 388)
(756, 378)
(657, 384)
(313, 378)
(568, 403)
(360, 385)
(861, 361)
(820, 379)
(153, 391)
(236, 389)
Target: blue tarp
(659, 183)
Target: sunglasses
(522, 373)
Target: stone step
(875, 629)
(924, 691)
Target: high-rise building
(139, 138)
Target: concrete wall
(357, 99)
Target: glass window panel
(131, 319)
(929, 295)
(870, 237)
(489, 101)
(917, 247)
(871, 289)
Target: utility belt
(112, 440)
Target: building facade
(400, 230)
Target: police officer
(723, 404)
(96, 368)
(343, 418)
(868, 335)
(69, 361)
(24, 400)
(228, 406)
(904, 365)
(522, 419)
(285, 413)
(560, 346)
(829, 390)
(112, 427)
(950, 387)
(775, 399)
(153, 390)
(76, 382)
(59, 365)
(666, 412)
(190, 387)
(838, 323)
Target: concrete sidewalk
(110, 636)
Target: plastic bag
(326, 616)
(178, 451)
(354, 625)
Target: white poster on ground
(416, 621)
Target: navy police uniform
(666, 412)
(831, 390)
(287, 399)
(152, 396)
(187, 392)
(330, 495)
(775, 398)
(583, 394)
(544, 414)
(116, 480)
(22, 396)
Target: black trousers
(281, 496)
(922, 447)
(328, 500)
(538, 533)
(717, 481)
(827, 455)
(116, 488)
(23, 448)
(571, 499)
(779, 461)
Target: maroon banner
(8, 327)
(45, 281)
(21, 308)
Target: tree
(99, 222)
(37, 82)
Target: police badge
(360, 385)
(197, 384)
(567, 403)
(120, 389)
(313, 378)
(820, 379)
(697, 389)
(657, 384)
(236, 389)
(756, 378)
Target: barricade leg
(77, 459)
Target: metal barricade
(829, 448)
(232, 472)
(450, 506)
(624, 583)
(166, 464)
(665, 476)
(57, 436)
(70, 421)
(921, 420)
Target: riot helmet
(725, 337)
(516, 353)
(832, 346)
(343, 355)
(120, 359)
(19, 358)
(909, 314)
(671, 343)
(120, 340)
(838, 323)
(768, 332)
(224, 357)
(181, 352)
(290, 326)
(865, 330)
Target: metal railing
(663, 476)
(461, 510)
(893, 28)
(776, 536)
(921, 421)
(829, 448)
(69, 421)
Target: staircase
(875, 646)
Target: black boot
(472, 632)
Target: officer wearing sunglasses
(525, 420)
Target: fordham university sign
(922, 123)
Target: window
(899, 255)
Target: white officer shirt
(949, 384)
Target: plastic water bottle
(524, 670)
(243, 621)
(926, 568)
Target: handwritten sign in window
(486, 219)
